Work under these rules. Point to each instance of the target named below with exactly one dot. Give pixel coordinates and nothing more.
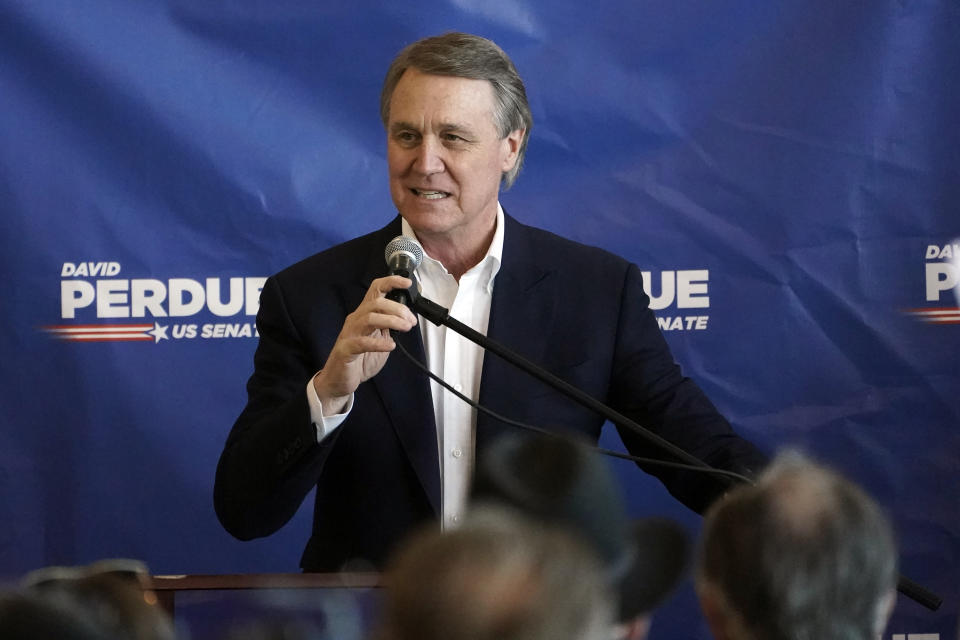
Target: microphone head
(402, 245)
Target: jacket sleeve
(271, 459)
(648, 386)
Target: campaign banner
(785, 174)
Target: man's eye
(452, 137)
(406, 136)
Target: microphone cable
(541, 430)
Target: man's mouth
(428, 194)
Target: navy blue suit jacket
(578, 311)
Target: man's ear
(714, 608)
(511, 148)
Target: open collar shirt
(454, 359)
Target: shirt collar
(491, 261)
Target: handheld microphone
(403, 255)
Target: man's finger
(380, 287)
(360, 345)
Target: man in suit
(330, 406)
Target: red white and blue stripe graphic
(936, 315)
(102, 332)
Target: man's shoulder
(547, 246)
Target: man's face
(445, 156)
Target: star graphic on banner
(159, 332)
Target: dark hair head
(31, 616)
(463, 55)
(114, 591)
(563, 482)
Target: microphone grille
(403, 244)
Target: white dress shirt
(454, 359)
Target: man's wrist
(332, 404)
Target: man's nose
(429, 158)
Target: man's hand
(364, 343)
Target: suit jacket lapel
(523, 307)
(524, 303)
(405, 390)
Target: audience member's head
(25, 615)
(115, 593)
(803, 554)
(497, 577)
(562, 482)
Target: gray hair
(803, 554)
(497, 577)
(463, 55)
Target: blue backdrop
(786, 171)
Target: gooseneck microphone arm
(441, 316)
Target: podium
(344, 604)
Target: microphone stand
(441, 316)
